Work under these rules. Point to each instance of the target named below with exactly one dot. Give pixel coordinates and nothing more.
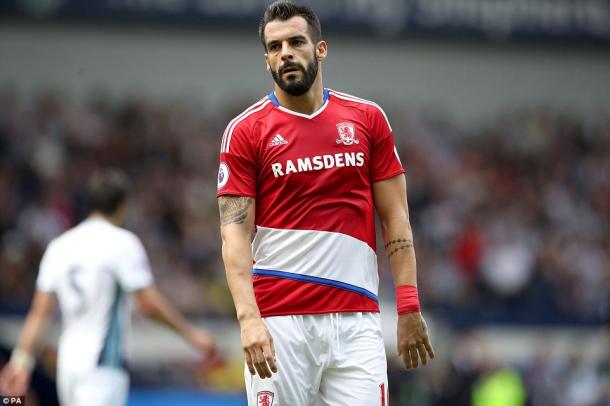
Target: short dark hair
(107, 191)
(284, 10)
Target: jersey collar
(277, 104)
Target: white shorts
(102, 386)
(335, 359)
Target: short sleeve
(237, 169)
(385, 162)
(133, 270)
(48, 270)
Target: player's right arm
(236, 224)
(15, 376)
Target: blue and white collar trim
(276, 102)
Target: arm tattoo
(233, 209)
(397, 241)
(405, 244)
(402, 247)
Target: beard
(296, 87)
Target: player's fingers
(272, 345)
(414, 359)
(260, 364)
(270, 356)
(249, 362)
(403, 347)
(428, 347)
(406, 359)
(422, 353)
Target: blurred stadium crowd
(511, 219)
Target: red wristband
(407, 299)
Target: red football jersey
(311, 176)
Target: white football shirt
(90, 268)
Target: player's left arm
(15, 376)
(390, 198)
(152, 303)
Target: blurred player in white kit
(93, 269)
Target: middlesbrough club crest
(264, 398)
(347, 134)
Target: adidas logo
(277, 140)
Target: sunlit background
(501, 112)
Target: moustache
(291, 65)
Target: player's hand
(258, 347)
(413, 341)
(204, 342)
(14, 381)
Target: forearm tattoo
(397, 241)
(397, 245)
(233, 209)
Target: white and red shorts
(335, 359)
